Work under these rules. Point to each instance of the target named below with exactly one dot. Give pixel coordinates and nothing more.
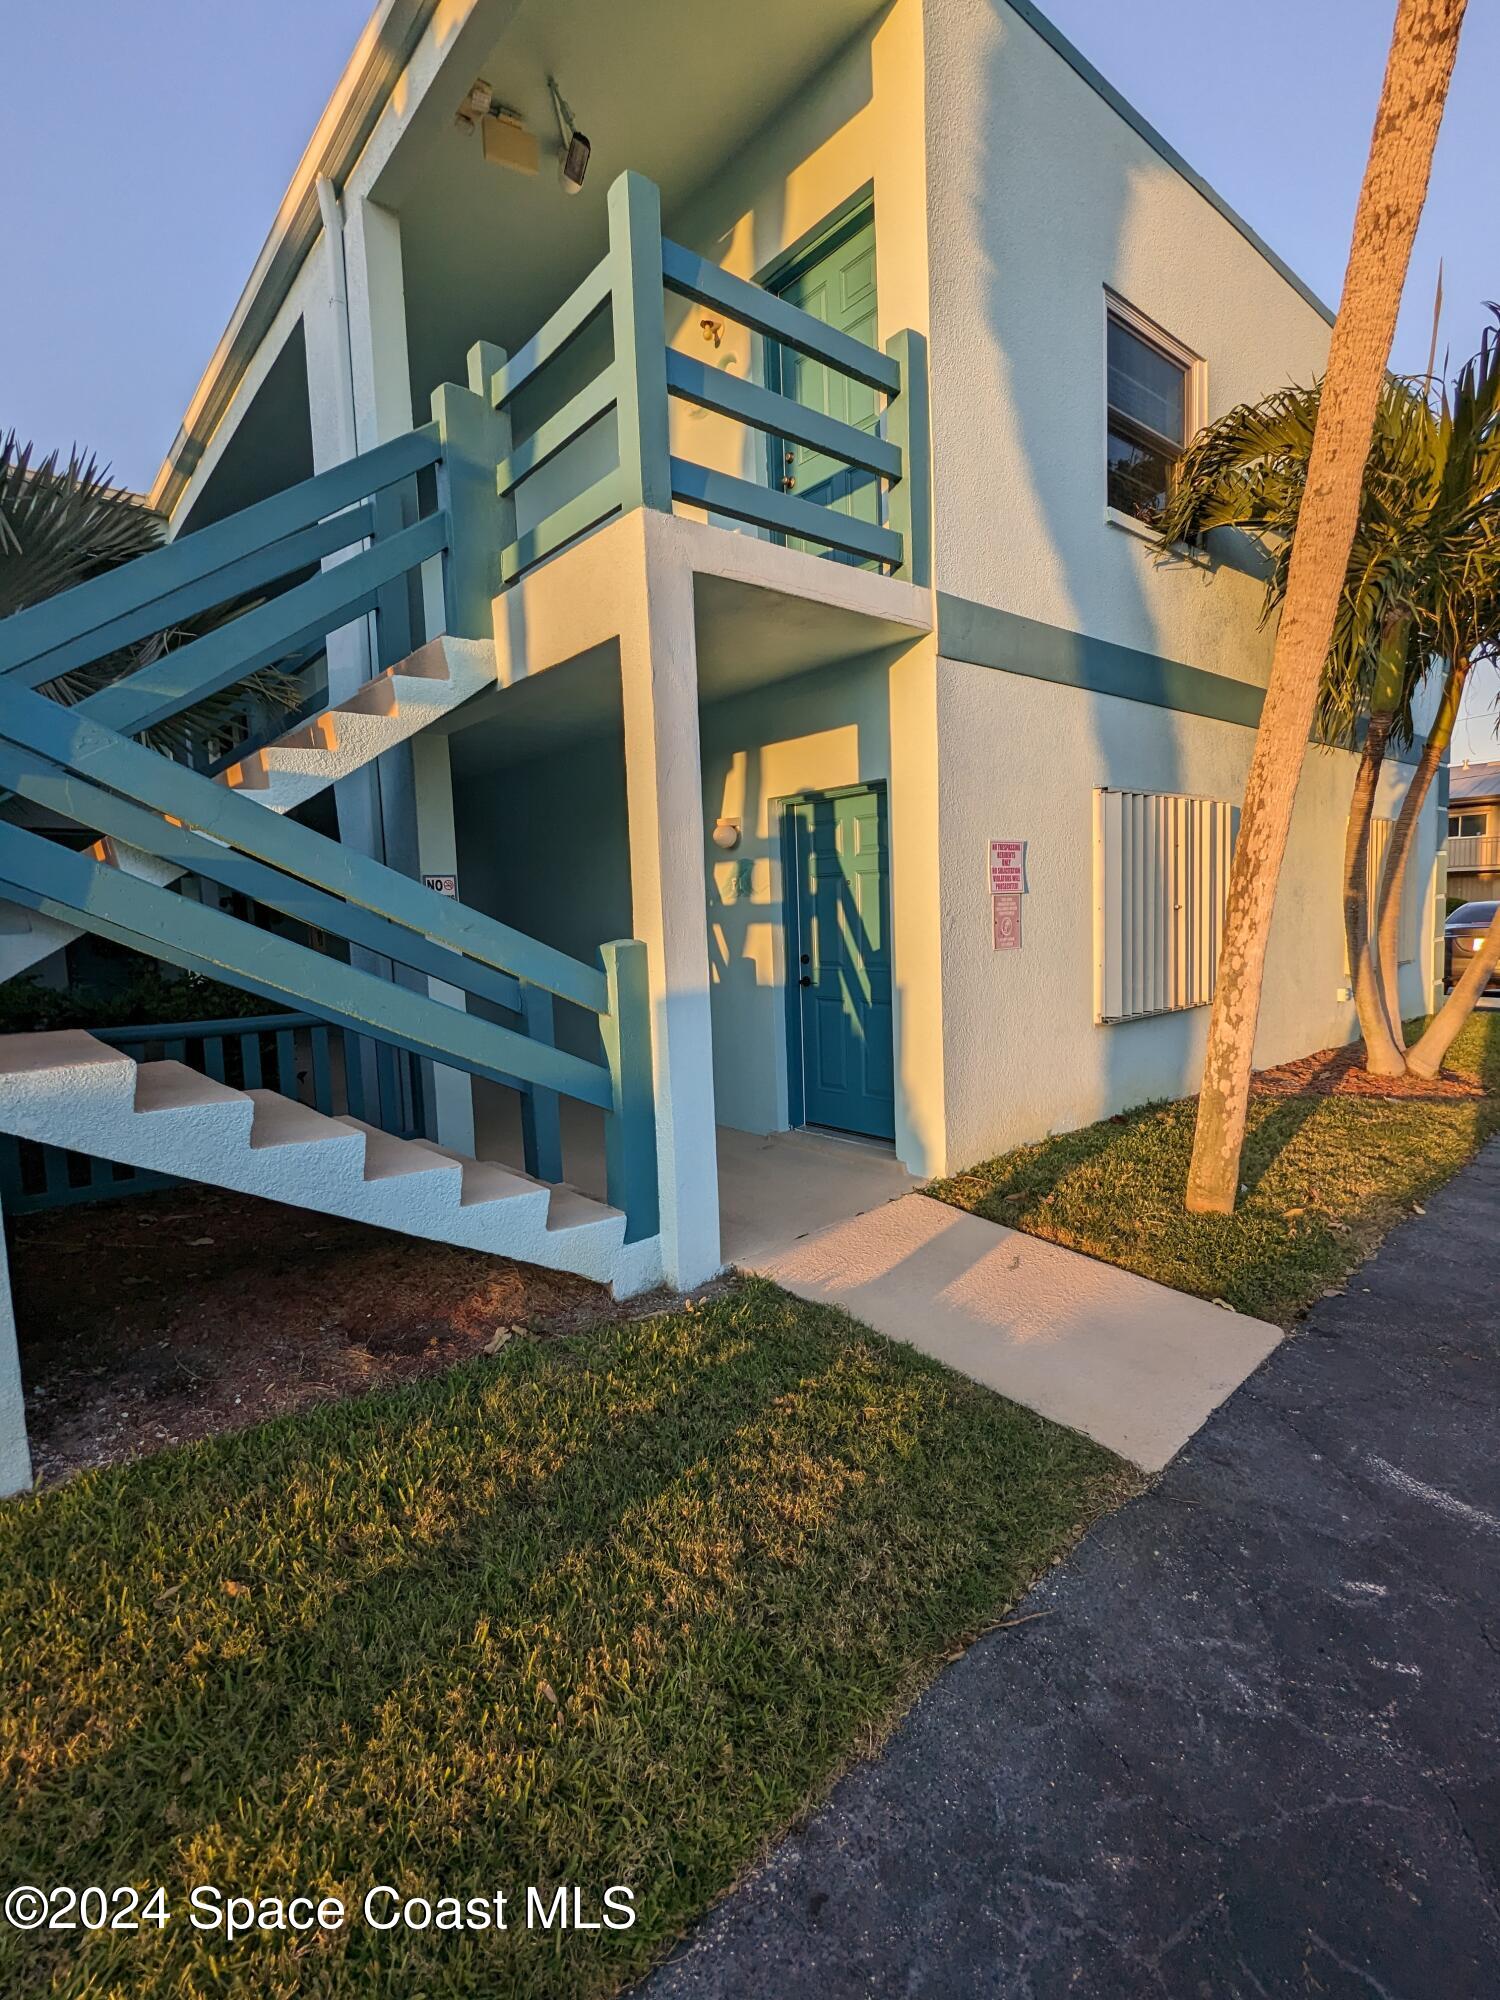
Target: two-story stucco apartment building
(748, 546)
(1473, 832)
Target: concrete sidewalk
(1127, 1361)
(1251, 1744)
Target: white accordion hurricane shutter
(1161, 880)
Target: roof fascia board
(400, 34)
(258, 365)
(1082, 67)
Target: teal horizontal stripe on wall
(981, 635)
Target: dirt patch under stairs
(173, 1316)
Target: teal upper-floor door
(840, 953)
(837, 286)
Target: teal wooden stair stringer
(82, 765)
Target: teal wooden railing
(366, 500)
(265, 566)
(82, 763)
(296, 1055)
(637, 386)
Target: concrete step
(385, 710)
(68, 1089)
(483, 1180)
(172, 1086)
(62, 1049)
(570, 1209)
(282, 1121)
(487, 1180)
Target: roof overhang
(384, 48)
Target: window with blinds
(1161, 879)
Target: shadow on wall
(816, 732)
(543, 844)
(742, 220)
(1043, 305)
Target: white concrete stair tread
(486, 1180)
(379, 697)
(1130, 1363)
(61, 1048)
(387, 1157)
(385, 709)
(571, 1210)
(570, 1207)
(282, 1121)
(135, 860)
(172, 1086)
(70, 1090)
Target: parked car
(1462, 935)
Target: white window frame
(1194, 391)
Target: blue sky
(160, 138)
(1287, 149)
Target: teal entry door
(839, 961)
(836, 286)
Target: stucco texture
(1039, 197)
(1019, 759)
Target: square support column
(452, 1091)
(664, 795)
(330, 397)
(916, 911)
(15, 1453)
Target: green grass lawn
(1323, 1180)
(602, 1610)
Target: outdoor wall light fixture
(575, 147)
(712, 330)
(507, 143)
(726, 833)
(506, 140)
(476, 105)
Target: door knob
(804, 980)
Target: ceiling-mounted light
(476, 105)
(503, 133)
(574, 147)
(507, 143)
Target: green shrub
(26, 1006)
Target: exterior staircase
(69, 1090)
(365, 950)
(321, 751)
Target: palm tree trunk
(1426, 1059)
(1424, 43)
(1382, 1056)
(1403, 839)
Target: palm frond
(1425, 560)
(64, 523)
